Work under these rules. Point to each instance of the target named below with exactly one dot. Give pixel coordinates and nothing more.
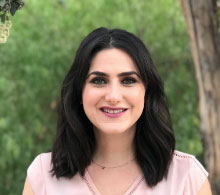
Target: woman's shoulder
(182, 155)
(188, 162)
(40, 163)
(183, 159)
(187, 170)
(38, 170)
(186, 175)
(43, 157)
(43, 182)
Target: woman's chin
(113, 130)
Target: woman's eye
(128, 81)
(98, 81)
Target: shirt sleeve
(196, 177)
(35, 176)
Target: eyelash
(98, 81)
(102, 81)
(129, 81)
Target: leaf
(2, 18)
(14, 7)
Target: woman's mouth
(113, 112)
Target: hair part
(75, 143)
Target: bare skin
(114, 150)
(27, 188)
(205, 189)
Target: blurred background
(40, 49)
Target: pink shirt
(185, 177)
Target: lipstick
(113, 112)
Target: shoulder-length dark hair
(75, 142)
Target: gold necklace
(104, 167)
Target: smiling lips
(113, 112)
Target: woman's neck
(114, 149)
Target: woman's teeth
(113, 111)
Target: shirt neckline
(93, 189)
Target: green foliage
(39, 51)
(9, 6)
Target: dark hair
(75, 142)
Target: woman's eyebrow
(98, 73)
(128, 74)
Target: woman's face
(113, 94)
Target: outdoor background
(40, 49)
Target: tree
(202, 27)
(7, 9)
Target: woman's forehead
(111, 60)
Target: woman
(114, 133)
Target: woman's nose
(113, 94)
